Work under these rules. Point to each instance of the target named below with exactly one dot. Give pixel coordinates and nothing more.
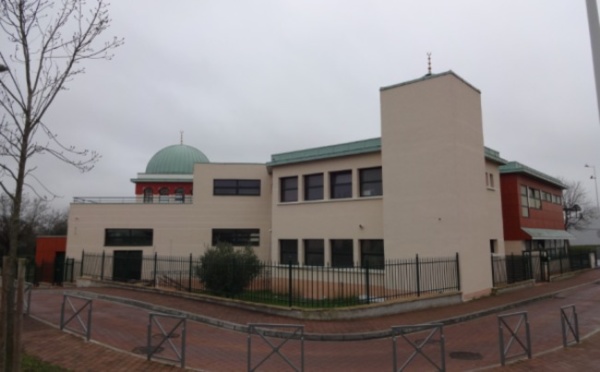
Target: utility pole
(594, 25)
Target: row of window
(342, 252)
(163, 195)
(145, 237)
(532, 199)
(340, 185)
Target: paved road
(470, 345)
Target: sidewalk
(476, 331)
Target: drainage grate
(143, 350)
(465, 355)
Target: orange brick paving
(216, 349)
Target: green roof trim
(347, 149)
(494, 155)
(431, 76)
(516, 167)
(326, 152)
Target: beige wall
(495, 229)
(329, 218)
(179, 229)
(433, 160)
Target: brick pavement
(216, 349)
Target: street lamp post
(595, 183)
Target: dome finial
(181, 137)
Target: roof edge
(429, 77)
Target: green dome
(175, 159)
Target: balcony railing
(157, 199)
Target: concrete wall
(494, 207)
(433, 161)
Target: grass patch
(32, 364)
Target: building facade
(426, 187)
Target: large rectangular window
(236, 237)
(341, 184)
(535, 200)
(313, 187)
(371, 252)
(314, 252)
(288, 189)
(128, 237)
(524, 202)
(370, 182)
(341, 253)
(288, 252)
(236, 187)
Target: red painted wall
(46, 248)
(172, 186)
(549, 217)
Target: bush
(225, 270)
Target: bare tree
(579, 211)
(45, 42)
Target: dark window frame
(370, 181)
(236, 237)
(288, 189)
(314, 186)
(288, 251)
(342, 252)
(116, 237)
(314, 252)
(373, 251)
(148, 195)
(339, 188)
(236, 187)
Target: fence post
(155, 266)
(81, 268)
(560, 260)
(190, 276)
(367, 282)
(290, 283)
(418, 267)
(493, 271)
(457, 272)
(102, 266)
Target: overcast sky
(247, 79)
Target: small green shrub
(225, 270)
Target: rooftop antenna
(428, 64)
(181, 136)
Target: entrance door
(127, 265)
(59, 268)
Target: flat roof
(516, 167)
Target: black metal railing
(538, 265)
(288, 284)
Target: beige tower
(434, 175)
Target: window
(370, 182)
(535, 200)
(313, 187)
(236, 237)
(524, 202)
(163, 195)
(371, 251)
(128, 237)
(236, 187)
(492, 180)
(289, 189)
(314, 252)
(288, 252)
(493, 246)
(179, 195)
(148, 197)
(341, 184)
(341, 253)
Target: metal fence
(538, 265)
(288, 284)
